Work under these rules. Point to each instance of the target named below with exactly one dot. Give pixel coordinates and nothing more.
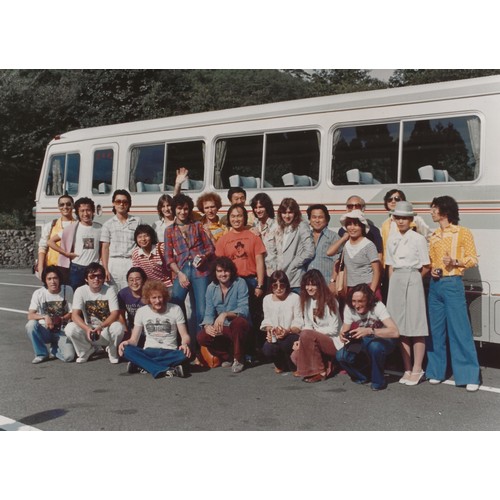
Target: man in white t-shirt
(161, 321)
(96, 317)
(48, 313)
(80, 243)
(369, 335)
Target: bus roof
(356, 100)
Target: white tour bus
(426, 140)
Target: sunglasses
(277, 285)
(121, 202)
(66, 204)
(95, 277)
(352, 206)
(394, 198)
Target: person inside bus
(188, 253)
(227, 316)
(238, 196)
(452, 251)
(95, 317)
(150, 255)
(48, 312)
(117, 239)
(46, 255)
(78, 244)
(265, 226)
(323, 238)
(130, 298)
(166, 215)
(369, 335)
(293, 243)
(355, 202)
(162, 323)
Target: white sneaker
(472, 387)
(39, 359)
(86, 356)
(237, 367)
(434, 381)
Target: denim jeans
(154, 360)
(76, 275)
(373, 354)
(61, 346)
(448, 319)
(280, 351)
(197, 291)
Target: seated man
(226, 323)
(48, 313)
(160, 321)
(96, 317)
(369, 335)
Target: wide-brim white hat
(403, 209)
(355, 214)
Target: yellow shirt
(458, 243)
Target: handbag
(341, 280)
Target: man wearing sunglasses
(47, 256)
(117, 240)
(96, 317)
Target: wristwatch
(259, 287)
(332, 280)
(456, 263)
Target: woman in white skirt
(407, 258)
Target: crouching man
(95, 317)
(48, 312)
(161, 321)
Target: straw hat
(355, 214)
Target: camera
(197, 261)
(94, 336)
(348, 335)
(439, 273)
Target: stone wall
(17, 248)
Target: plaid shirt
(181, 251)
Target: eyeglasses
(66, 204)
(121, 202)
(95, 276)
(277, 285)
(394, 198)
(352, 206)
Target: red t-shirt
(241, 247)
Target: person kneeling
(226, 324)
(161, 321)
(369, 334)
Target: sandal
(405, 378)
(314, 378)
(415, 378)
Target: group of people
(261, 284)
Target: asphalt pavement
(98, 396)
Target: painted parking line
(485, 388)
(17, 284)
(13, 310)
(7, 424)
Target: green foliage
(403, 77)
(17, 220)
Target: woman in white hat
(408, 262)
(360, 255)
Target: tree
(404, 77)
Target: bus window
(292, 159)
(153, 168)
(365, 154)
(103, 171)
(238, 161)
(190, 155)
(63, 177)
(146, 168)
(441, 150)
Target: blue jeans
(61, 346)
(76, 275)
(153, 360)
(373, 353)
(197, 291)
(448, 319)
(280, 351)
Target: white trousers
(111, 337)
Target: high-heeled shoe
(415, 382)
(404, 379)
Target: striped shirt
(153, 264)
(458, 243)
